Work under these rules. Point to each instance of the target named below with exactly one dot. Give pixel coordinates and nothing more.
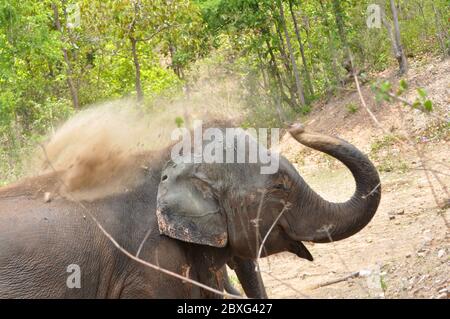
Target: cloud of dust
(93, 151)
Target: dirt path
(404, 251)
(405, 247)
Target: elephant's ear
(187, 209)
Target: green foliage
(351, 108)
(428, 105)
(402, 87)
(422, 93)
(156, 43)
(384, 92)
(305, 109)
(179, 121)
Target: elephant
(40, 241)
(189, 218)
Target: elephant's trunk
(323, 221)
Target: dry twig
(337, 280)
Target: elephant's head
(233, 205)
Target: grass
(437, 131)
(305, 109)
(388, 165)
(382, 143)
(386, 156)
(351, 108)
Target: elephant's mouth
(298, 248)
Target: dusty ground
(404, 251)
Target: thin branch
(286, 207)
(372, 191)
(406, 102)
(286, 284)
(258, 236)
(159, 30)
(143, 241)
(258, 268)
(337, 280)
(257, 220)
(431, 170)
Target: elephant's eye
(163, 178)
(280, 186)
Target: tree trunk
(263, 72)
(277, 76)
(302, 49)
(399, 53)
(298, 82)
(137, 68)
(343, 37)
(306, 26)
(288, 75)
(332, 47)
(175, 68)
(420, 6)
(282, 48)
(134, 53)
(340, 22)
(267, 88)
(279, 108)
(441, 32)
(70, 82)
